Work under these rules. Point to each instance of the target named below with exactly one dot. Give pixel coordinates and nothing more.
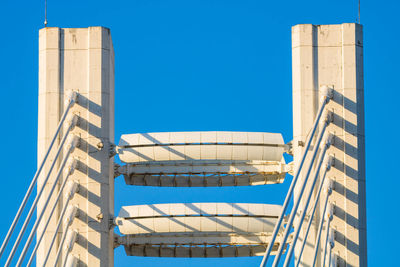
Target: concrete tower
(81, 60)
(332, 55)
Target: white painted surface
(197, 229)
(333, 55)
(201, 146)
(82, 60)
(198, 218)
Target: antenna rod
(45, 13)
(359, 11)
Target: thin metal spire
(45, 13)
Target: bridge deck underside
(197, 229)
(205, 173)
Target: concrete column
(81, 60)
(333, 55)
(50, 109)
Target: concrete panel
(147, 147)
(332, 55)
(81, 60)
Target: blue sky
(203, 65)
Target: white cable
(72, 100)
(71, 261)
(325, 145)
(294, 181)
(329, 238)
(71, 239)
(327, 161)
(68, 196)
(73, 141)
(40, 215)
(67, 241)
(333, 262)
(324, 184)
(328, 214)
(72, 164)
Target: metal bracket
(289, 168)
(118, 240)
(116, 170)
(113, 150)
(289, 148)
(327, 91)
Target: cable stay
(328, 161)
(70, 142)
(71, 214)
(328, 190)
(68, 239)
(40, 216)
(70, 170)
(316, 168)
(322, 143)
(328, 218)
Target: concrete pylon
(81, 60)
(332, 55)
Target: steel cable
(72, 101)
(267, 253)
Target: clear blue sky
(204, 65)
